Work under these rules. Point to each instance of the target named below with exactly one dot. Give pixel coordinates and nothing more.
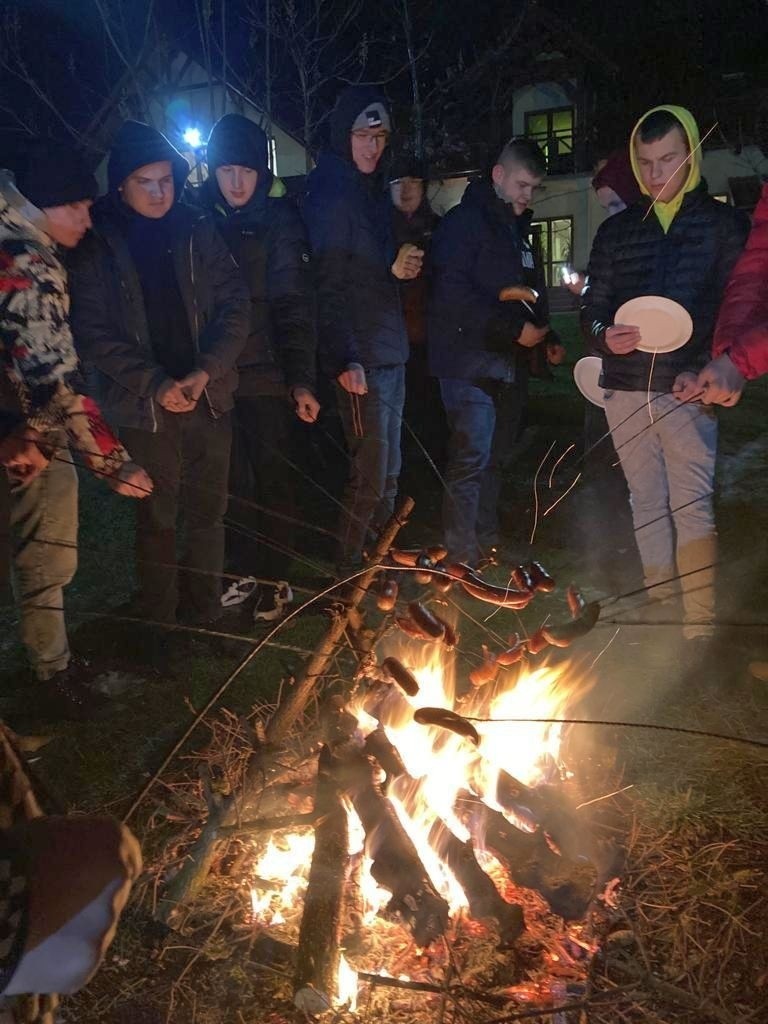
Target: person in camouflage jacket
(42, 410)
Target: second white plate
(586, 374)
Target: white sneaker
(238, 592)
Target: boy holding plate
(678, 244)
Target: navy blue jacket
(360, 319)
(479, 248)
(631, 256)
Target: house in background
(175, 94)
(566, 212)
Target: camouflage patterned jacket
(38, 362)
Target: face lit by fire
(664, 164)
(515, 185)
(237, 183)
(150, 190)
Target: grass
(695, 823)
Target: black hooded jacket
(269, 243)
(348, 217)
(111, 326)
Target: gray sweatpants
(44, 540)
(667, 451)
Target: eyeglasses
(380, 138)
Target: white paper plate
(664, 325)
(586, 373)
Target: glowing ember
(280, 876)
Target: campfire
(438, 825)
(409, 834)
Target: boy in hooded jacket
(276, 368)
(362, 340)
(161, 312)
(681, 244)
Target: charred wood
(567, 885)
(483, 896)
(317, 961)
(396, 865)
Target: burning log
(201, 855)
(547, 808)
(568, 886)
(396, 864)
(317, 961)
(483, 896)
(377, 744)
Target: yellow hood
(666, 212)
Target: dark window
(553, 130)
(554, 240)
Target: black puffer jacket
(347, 213)
(269, 243)
(479, 248)
(632, 256)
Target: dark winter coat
(269, 243)
(417, 230)
(479, 248)
(110, 325)
(632, 256)
(359, 314)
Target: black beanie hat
(137, 145)
(349, 105)
(53, 174)
(406, 166)
(235, 139)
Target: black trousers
(262, 440)
(179, 571)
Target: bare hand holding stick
(353, 379)
(408, 262)
(621, 339)
(172, 398)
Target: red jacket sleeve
(742, 325)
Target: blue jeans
(667, 451)
(483, 428)
(372, 425)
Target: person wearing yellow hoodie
(680, 243)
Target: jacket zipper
(195, 325)
(138, 342)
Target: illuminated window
(553, 130)
(554, 239)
